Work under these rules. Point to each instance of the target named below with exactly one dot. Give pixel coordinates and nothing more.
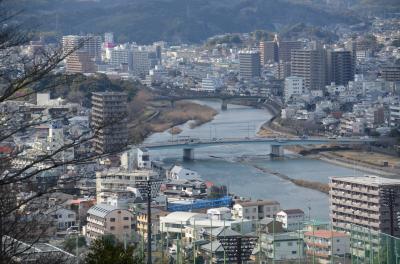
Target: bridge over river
(277, 144)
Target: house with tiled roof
(323, 244)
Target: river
(233, 165)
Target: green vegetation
(107, 250)
(228, 39)
(170, 20)
(70, 244)
(302, 30)
(78, 88)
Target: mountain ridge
(177, 21)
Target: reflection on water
(221, 164)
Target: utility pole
(149, 189)
(149, 261)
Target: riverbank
(318, 186)
(368, 162)
(313, 185)
(160, 118)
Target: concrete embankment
(329, 157)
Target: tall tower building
(282, 70)
(109, 110)
(311, 65)
(141, 62)
(285, 49)
(340, 67)
(249, 64)
(80, 62)
(268, 52)
(90, 43)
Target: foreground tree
(34, 177)
(107, 250)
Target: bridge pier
(188, 154)
(277, 151)
(224, 105)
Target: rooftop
(325, 234)
(101, 210)
(369, 180)
(293, 211)
(259, 202)
(180, 216)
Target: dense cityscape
(250, 147)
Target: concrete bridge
(225, 98)
(277, 144)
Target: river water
(233, 165)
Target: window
(112, 219)
(112, 227)
(126, 218)
(294, 252)
(126, 227)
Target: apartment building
(294, 86)
(292, 219)
(255, 210)
(141, 221)
(119, 180)
(391, 73)
(109, 113)
(360, 201)
(340, 67)
(311, 65)
(249, 64)
(281, 247)
(80, 62)
(268, 52)
(286, 48)
(394, 115)
(321, 245)
(89, 43)
(103, 219)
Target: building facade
(340, 67)
(292, 219)
(360, 201)
(118, 180)
(286, 48)
(103, 219)
(323, 245)
(311, 65)
(293, 86)
(268, 52)
(109, 111)
(255, 210)
(249, 64)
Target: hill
(145, 21)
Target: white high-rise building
(210, 84)
(120, 56)
(294, 86)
